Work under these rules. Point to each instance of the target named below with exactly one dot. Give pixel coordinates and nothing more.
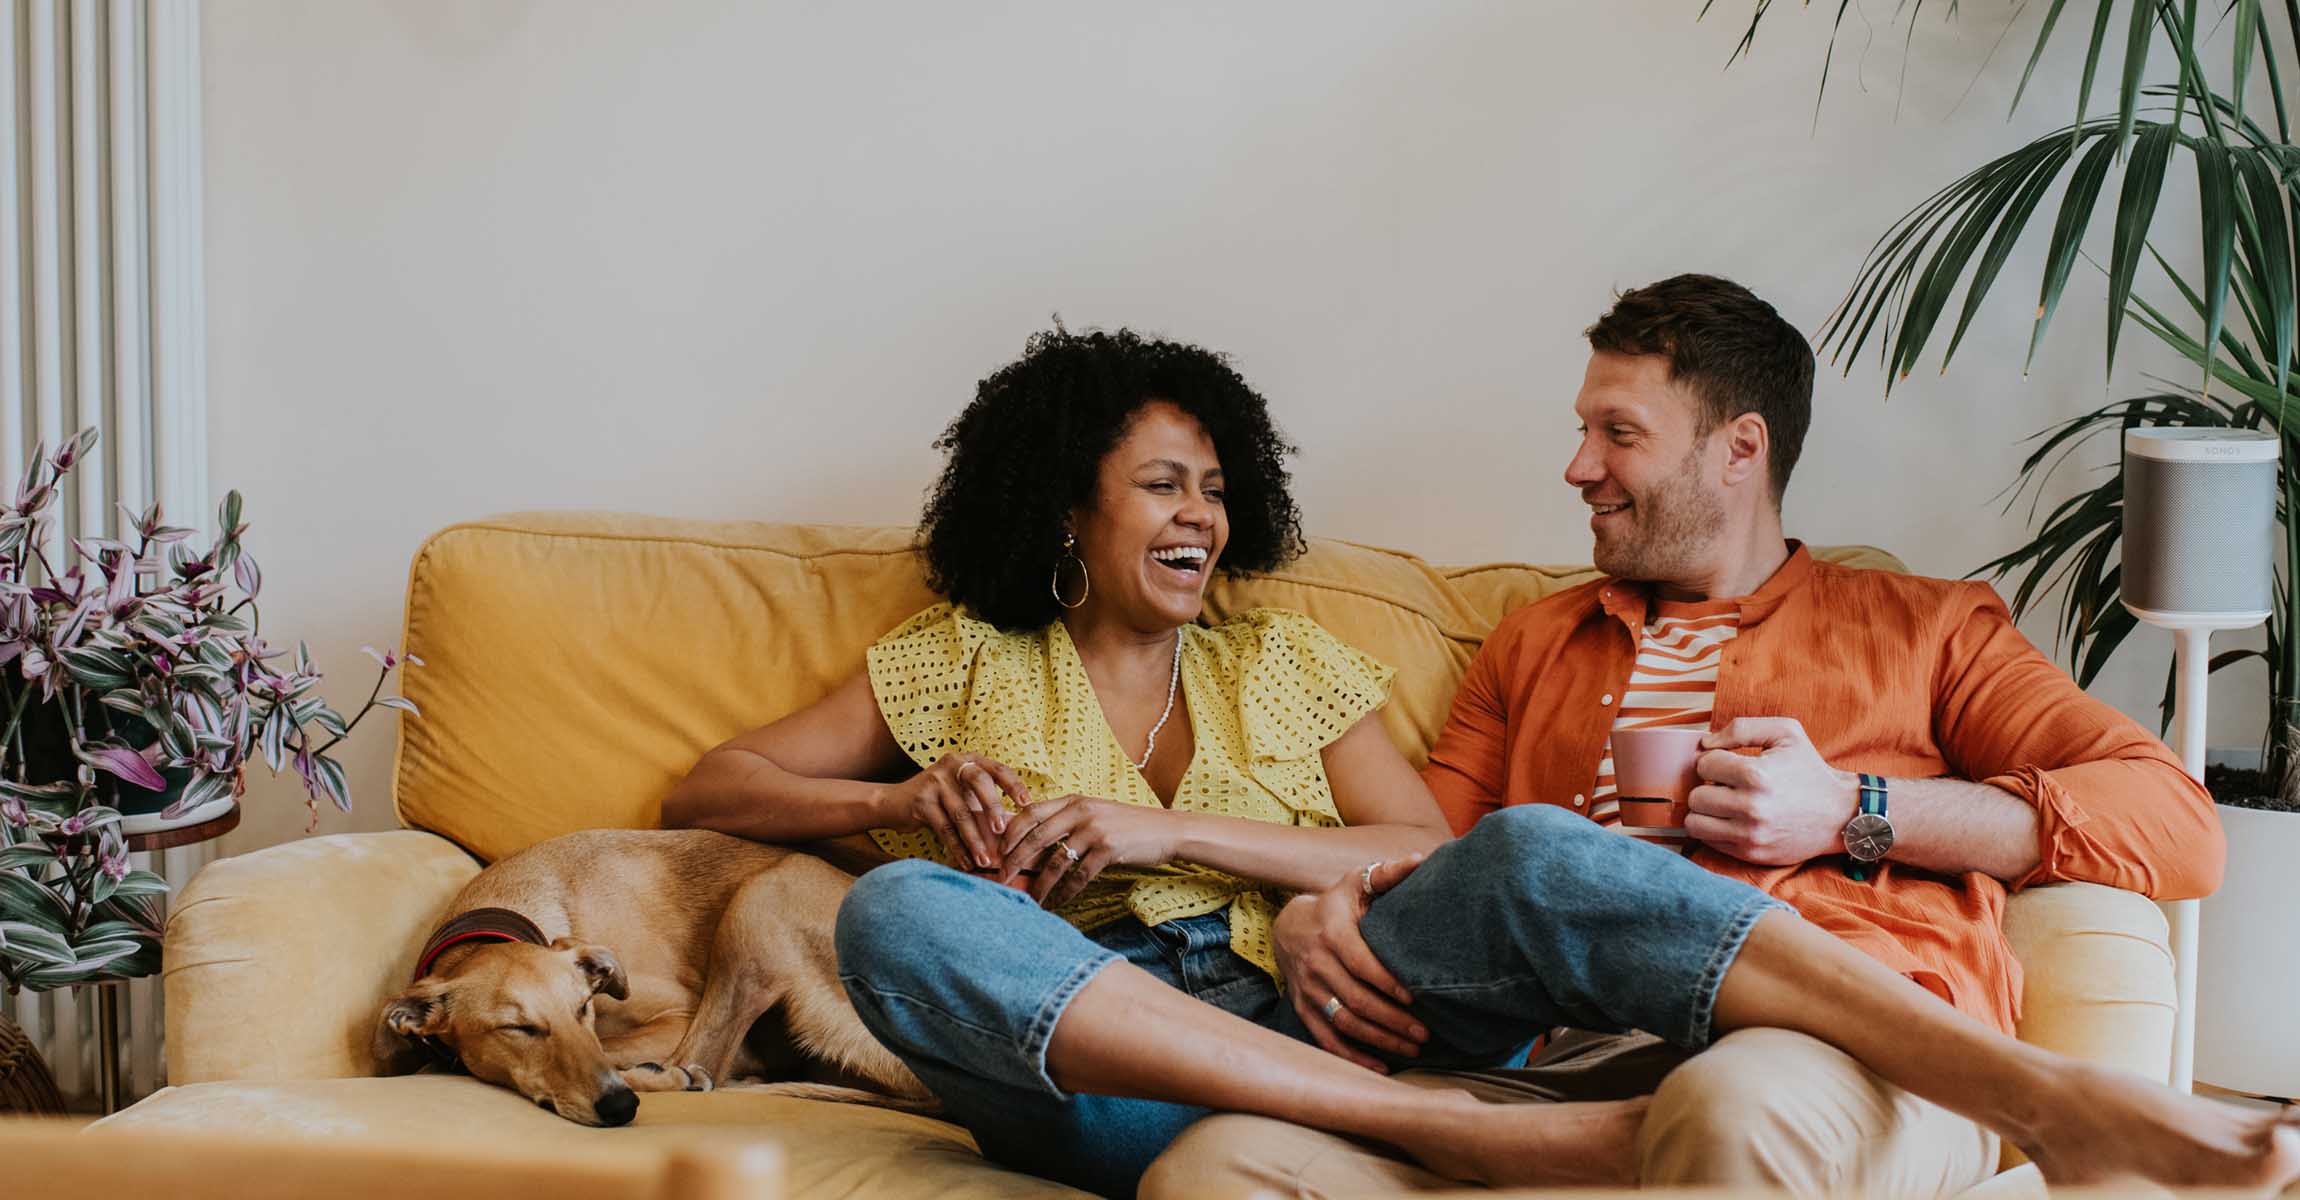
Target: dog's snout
(617, 1107)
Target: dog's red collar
(480, 924)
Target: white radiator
(101, 324)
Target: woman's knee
(891, 921)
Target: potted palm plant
(135, 689)
(2233, 319)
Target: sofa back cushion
(577, 664)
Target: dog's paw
(698, 1079)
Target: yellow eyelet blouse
(1267, 691)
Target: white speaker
(2199, 554)
(2199, 526)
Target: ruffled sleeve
(921, 674)
(1301, 687)
(946, 681)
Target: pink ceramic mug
(1653, 774)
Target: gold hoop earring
(1086, 582)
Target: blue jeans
(1536, 918)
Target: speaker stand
(2192, 666)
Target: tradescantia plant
(131, 680)
(2234, 320)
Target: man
(1833, 693)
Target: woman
(1146, 789)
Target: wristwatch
(1869, 835)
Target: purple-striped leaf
(128, 765)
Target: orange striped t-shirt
(1672, 683)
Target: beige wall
(733, 259)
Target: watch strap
(1872, 801)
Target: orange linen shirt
(1893, 674)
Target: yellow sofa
(577, 664)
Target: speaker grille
(2199, 537)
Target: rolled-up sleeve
(1467, 764)
(2113, 804)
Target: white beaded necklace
(1172, 685)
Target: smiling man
(1889, 755)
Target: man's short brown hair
(1735, 353)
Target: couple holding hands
(1169, 914)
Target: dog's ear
(598, 965)
(418, 1012)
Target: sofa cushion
(577, 664)
(830, 1150)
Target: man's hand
(1324, 956)
(1780, 807)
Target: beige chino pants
(1760, 1107)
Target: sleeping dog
(591, 967)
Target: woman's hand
(1324, 957)
(959, 798)
(1076, 838)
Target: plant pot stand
(169, 839)
(2249, 960)
(108, 1087)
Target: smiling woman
(1030, 463)
(1095, 763)
(1091, 489)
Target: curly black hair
(1029, 449)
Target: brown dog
(596, 965)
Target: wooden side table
(108, 993)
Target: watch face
(1867, 837)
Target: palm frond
(2239, 327)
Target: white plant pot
(2248, 959)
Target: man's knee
(1220, 1156)
(1525, 853)
(1232, 1156)
(1771, 1107)
(1763, 1106)
(1525, 827)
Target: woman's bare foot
(1528, 1145)
(2114, 1126)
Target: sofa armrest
(277, 962)
(2099, 983)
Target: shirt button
(1578, 802)
(1607, 698)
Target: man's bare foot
(1528, 1145)
(2117, 1126)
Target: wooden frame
(66, 1160)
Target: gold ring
(1065, 848)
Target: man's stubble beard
(1671, 529)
